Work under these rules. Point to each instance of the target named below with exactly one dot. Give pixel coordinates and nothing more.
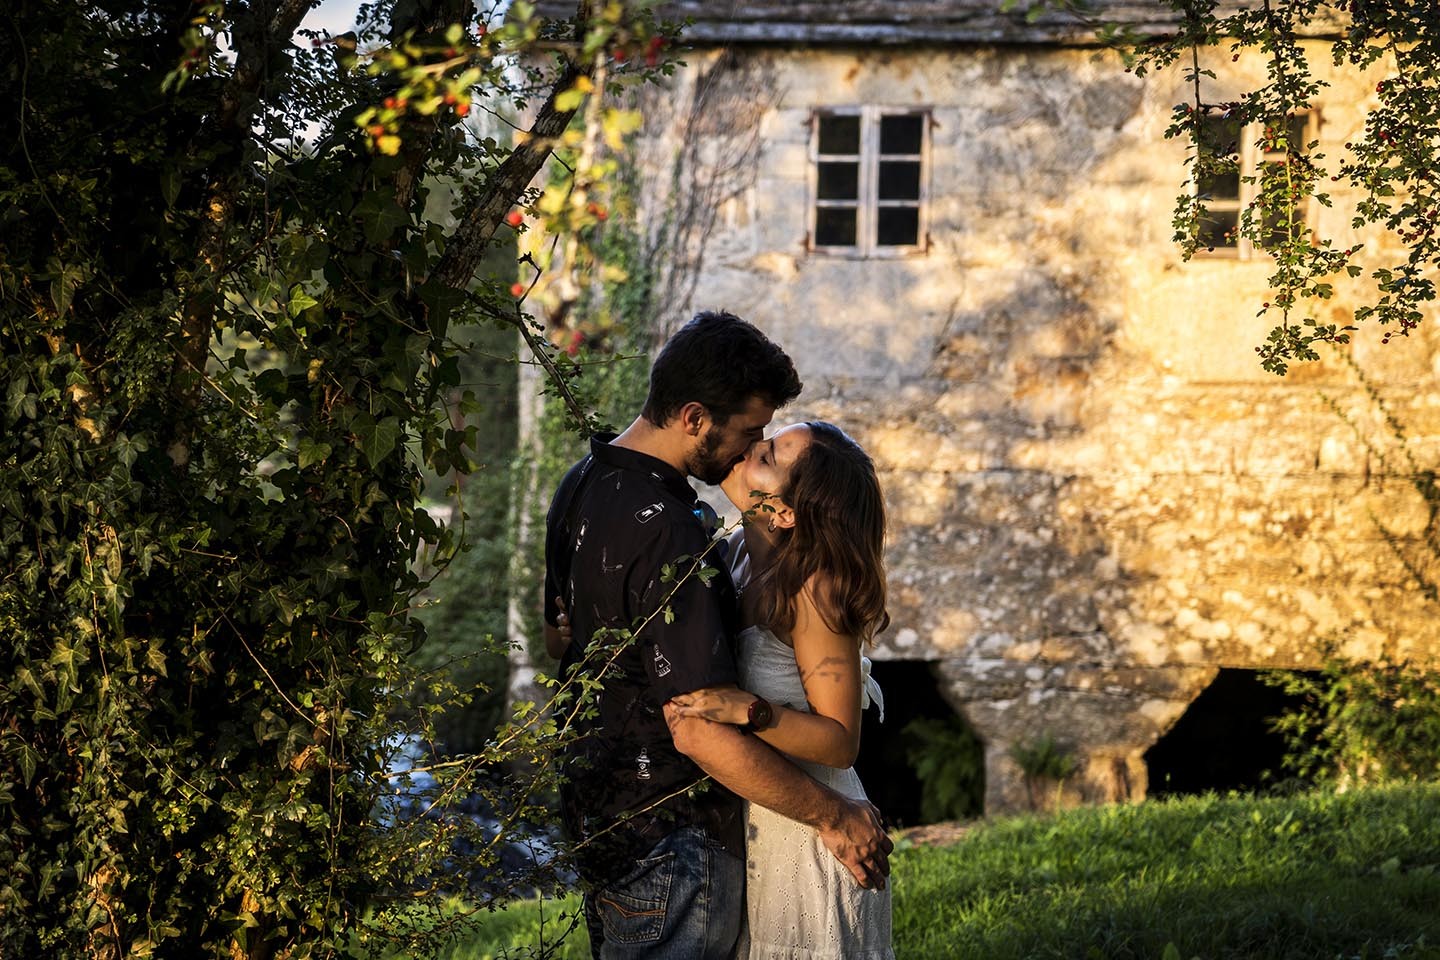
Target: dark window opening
(1243, 162)
(835, 227)
(898, 226)
(1278, 221)
(899, 180)
(838, 181)
(1224, 740)
(840, 133)
(1219, 228)
(911, 693)
(1219, 186)
(901, 133)
(869, 181)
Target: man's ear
(694, 417)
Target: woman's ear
(693, 418)
(784, 516)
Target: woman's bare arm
(830, 670)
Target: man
(664, 863)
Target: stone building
(958, 223)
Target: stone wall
(1097, 497)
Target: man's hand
(720, 704)
(557, 638)
(858, 840)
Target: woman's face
(764, 470)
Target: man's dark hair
(721, 361)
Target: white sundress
(800, 902)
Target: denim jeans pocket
(633, 908)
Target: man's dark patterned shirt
(618, 518)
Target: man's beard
(704, 465)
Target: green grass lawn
(1312, 877)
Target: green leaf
(155, 658)
(312, 452)
(170, 180)
(669, 615)
(62, 288)
(377, 439)
(29, 760)
(128, 448)
(380, 216)
(27, 676)
(300, 301)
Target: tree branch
(467, 245)
(257, 37)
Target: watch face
(760, 714)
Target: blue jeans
(684, 900)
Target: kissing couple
(749, 673)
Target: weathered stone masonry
(1097, 497)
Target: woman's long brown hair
(837, 543)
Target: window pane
(1218, 229)
(898, 226)
(839, 134)
(839, 181)
(1220, 147)
(1221, 186)
(1298, 127)
(835, 227)
(900, 180)
(901, 134)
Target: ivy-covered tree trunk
(226, 361)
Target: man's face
(721, 447)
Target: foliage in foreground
(237, 264)
(1318, 876)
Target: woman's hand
(720, 704)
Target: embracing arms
(830, 670)
(851, 830)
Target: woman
(809, 564)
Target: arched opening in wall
(1224, 740)
(924, 763)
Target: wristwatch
(759, 715)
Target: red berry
(514, 218)
(461, 109)
(517, 289)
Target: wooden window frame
(868, 204)
(1252, 159)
